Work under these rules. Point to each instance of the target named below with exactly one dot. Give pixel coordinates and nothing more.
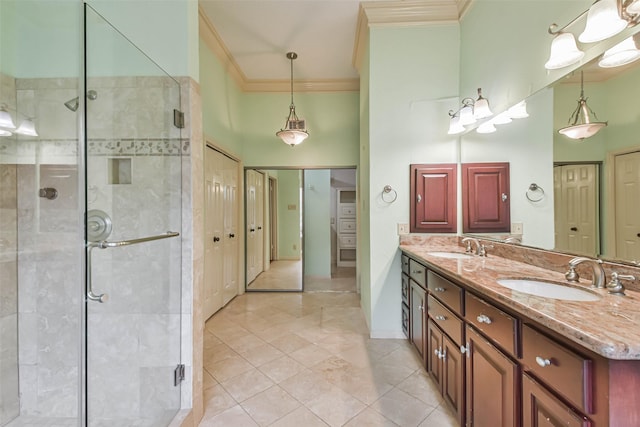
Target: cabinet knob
(439, 317)
(439, 289)
(421, 307)
(484, 319)
(543, 362)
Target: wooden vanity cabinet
(492, 386)
(417, 316)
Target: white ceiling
(257, 34)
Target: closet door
(213, 249)
(250, 232)
(260, 215)
(230, 237)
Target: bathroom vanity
(502, 357)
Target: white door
(260, 215)
(576, 208)
(627, 205)
(230, 239)
(250, 232)
(213, 248)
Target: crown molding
(213, 41)
(403, 14)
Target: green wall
(289, 187)
(317, 223)
(413, 82)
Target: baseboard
(387, 335)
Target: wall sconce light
(295, 130)
(605, 18)
(455, 127)
(486, 127)
(481, 108)
(502, 118)
(581, 126)
(8, 128)
(519, 111)
(623, 53)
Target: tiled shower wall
(143, 306)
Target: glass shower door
(133, 223)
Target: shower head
(73, 104)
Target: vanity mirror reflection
(575, 196)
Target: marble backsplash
(550, 260)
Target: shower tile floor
(305, 359)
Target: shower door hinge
(178, 375)
(178, 119)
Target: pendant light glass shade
(519, 111)
(603, 21)
(27, 128)
(5, 132)
(6, 121)
(621, 54)
(295, 130)
(564, 52)
(481, 108)
(582, 126)
(502, 118)
(455, 127)
(466, 115)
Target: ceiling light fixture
(581, 126)
(295, 130)
(621, 54)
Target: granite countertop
(609, 327)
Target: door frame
(273, 218)
(610, 197)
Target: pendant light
(581, 126)
(295, 130)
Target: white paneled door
(627, 190)
(255, 223)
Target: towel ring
(388, 190)
(532, 191)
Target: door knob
(252, 230)
(259, 228)
(231, 236)
(574, 228)
(216, 239)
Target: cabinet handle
(421, 307)
(464, 349)
(484, 319)
(437, 352)
(439, 289)
(543, 362)
(439, 317)
(416, 271)
(419, 198)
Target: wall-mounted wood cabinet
(433, 198)
(486, 199)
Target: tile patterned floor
(305, 359)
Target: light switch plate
(516, 228)
(403, 229)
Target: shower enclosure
(90, 224)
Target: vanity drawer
(347, 210)
(347, 241)
(418, 273)
(346, 226)
(446, 291)
(405, 289)
(493, 322)
(404, 260)
(562, 369)
(446, 320)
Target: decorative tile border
(139, 147)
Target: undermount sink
(548, 289)
(451, 255)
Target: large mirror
(574, 196)
(300, 229)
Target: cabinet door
(541, 409)
(434, 350)
(453, 377)
(433, 198)
(493, 392)
(485, 198)
(418, 301)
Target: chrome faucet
(614, 286)
(468, 241)
(598, 272)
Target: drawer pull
(484, 319)
(439, 317)
(543, 362)
(417, 271)
(439, 289)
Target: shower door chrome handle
(104, 244)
